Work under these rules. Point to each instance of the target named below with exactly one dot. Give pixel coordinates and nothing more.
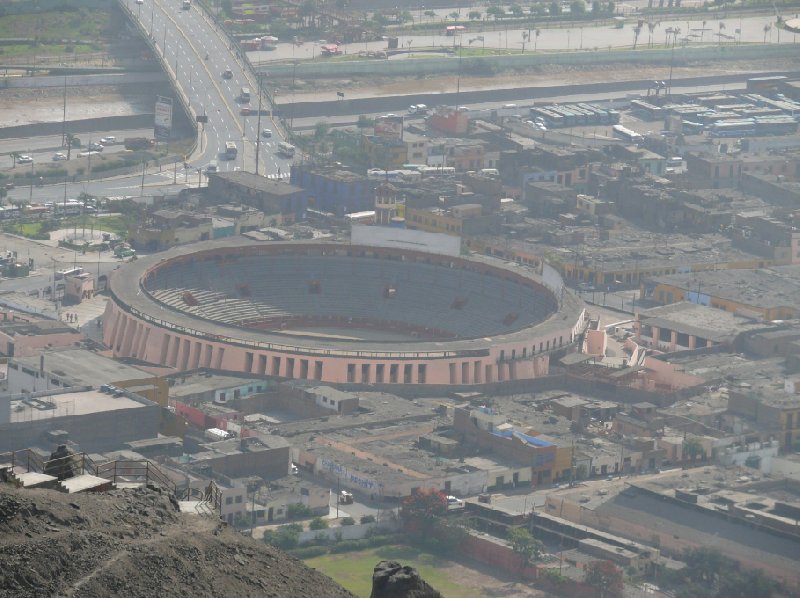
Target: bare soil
(541, 77)
(135, 543)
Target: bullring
(338, 313)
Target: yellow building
(766, 293)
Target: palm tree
(652, 27)
(70, 141)
(721, 29)
(14, 156)
(767, 29)
(636, 31)
(703, 31)
(536, 39)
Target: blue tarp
(524, 437)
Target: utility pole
(258, 126)
(64, 116)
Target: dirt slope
(135, 543)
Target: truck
(124, 250)
(139, 143)
(187, 4)
(287, 149)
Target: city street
(575, 36)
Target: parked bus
(60, 274)
(230, 150)
(626, 134)
(743, 128)
(244, 95)
(287, 149)
(69, 208)
(691, 128)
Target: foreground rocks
(390, 579)
(134, 543)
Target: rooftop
(70, 404)
(699, 320)
(631, 248)
(258, 183)
(81, 367)
(778, 286)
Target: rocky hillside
(135, 543)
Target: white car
(266, 133)
(454, 503)
(139, 1)
(88, 153)
(24, 159)
(109, 139)
(58, 156)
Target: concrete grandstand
(339, 314)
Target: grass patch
(353, 570)
(28, 229)
(78, 23)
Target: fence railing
(117, 471)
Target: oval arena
(337, 313)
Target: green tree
(554, 8)
(692, 448)
(474, 15)
(578, 7)
(14, 156)
(285, 537)
(430, 14)
(321, 129)
(524, 544)
(516, 10)
(606, 577)
(318, 523)
(495, 12)
(367, 519)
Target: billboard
(389, 127)
(163, 118)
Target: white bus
(70, 272)
(287, 149)
(626, 134)
(230, 150)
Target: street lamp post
(258, 125)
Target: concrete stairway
(85, 483)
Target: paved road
(186, 37)
(566, 37)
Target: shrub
(298, 511)
(318, 523)
(367, 519)
(348, 521)
(285, 537)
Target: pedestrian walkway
(86, 316)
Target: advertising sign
(163, 118)
(389, 127)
